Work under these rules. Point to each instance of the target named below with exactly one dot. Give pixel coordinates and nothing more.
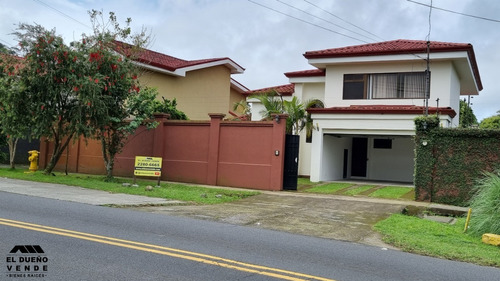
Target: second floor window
(409, 85)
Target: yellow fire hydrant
(33, 158)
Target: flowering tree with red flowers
(126, 104)
(51, 73)
(84, 89)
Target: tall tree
(58, 83)
(119, 96)
(467, 117)
(14, 121)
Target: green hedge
(448, 162)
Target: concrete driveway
(333, 217)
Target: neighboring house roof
(175, 66)
(284, 90)
(306, 73)
(383, 109)
(398, 47)
(11, 64)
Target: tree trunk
(109, 160)
(58, 150)
(12, 151)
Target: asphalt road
(86, 242)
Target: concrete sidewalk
(327, 216)
(77, 194)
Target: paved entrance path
(321, 216)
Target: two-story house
(372, 94)
(199, 86)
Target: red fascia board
(306, 73)
(414, 110)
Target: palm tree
(298, 118)
(272, 104)
(308, 124)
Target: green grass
(357, 190)
(183, 192)
(304, 181)
(328, 188)
(391, 192)
(435, 239)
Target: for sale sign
(147, 166)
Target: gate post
(213, 147)
(278, 160)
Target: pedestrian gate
(291, 167)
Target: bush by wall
(448, 162)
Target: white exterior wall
(455, 97)
(333, 157)
(441, 82)
(307, 91)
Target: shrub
(485, 206)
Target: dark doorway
(291, 167)
(359, 157)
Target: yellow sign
(147, 166)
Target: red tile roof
(383, 109)
(284, 90)
(11, 64)
(306, 73)
(388, 48)
(399, 46)
(165, 61)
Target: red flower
(114, 67)
(42, 107)
(96, 80)
(75, 88)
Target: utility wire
(310, 23)
(428, 38)
(6, 43)
(454, 12)
(307, 13)
(61, 13)
(333, 15)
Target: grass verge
(435, 239)
(183, 192)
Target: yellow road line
(177, 253)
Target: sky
(269, 37)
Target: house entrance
(359, 157)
